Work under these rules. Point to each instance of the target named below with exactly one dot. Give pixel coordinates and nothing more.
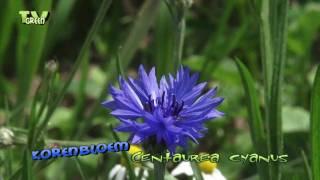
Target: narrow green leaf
(315, 125)
(125, 155)
(164, 46)
(255, 121)
(266, 47)
(30, 45)
(58, 21)
(7, 19)
(256, 125)
(178, 11)
(279, 36)
(119, 65)
(140, 28)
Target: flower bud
(6, 137)
(52, 66)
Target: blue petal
(136, 139)
(109, 104)
(125, 114)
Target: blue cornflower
(169, 112)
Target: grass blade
(255, 121)
(164, 46)
(119, 66)
(280, 46)
(257, 130)
(30, 47)
(178, 12)
(315, 124)
(58, 21)
(7, 20)
(266, 46)
(140, 28)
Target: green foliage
(7, 20)
(163, 47)
(48, 102)
(274, 34)
(141, 26)
(101, 13)
(31, 40)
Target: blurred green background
(53, 77)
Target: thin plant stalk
(139, 30)
(315, 124)
(159, 170)
(100, 15)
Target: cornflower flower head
(167, 113)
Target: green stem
(139, 30)
(98, 21)
(159, 170)
(159, 167)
